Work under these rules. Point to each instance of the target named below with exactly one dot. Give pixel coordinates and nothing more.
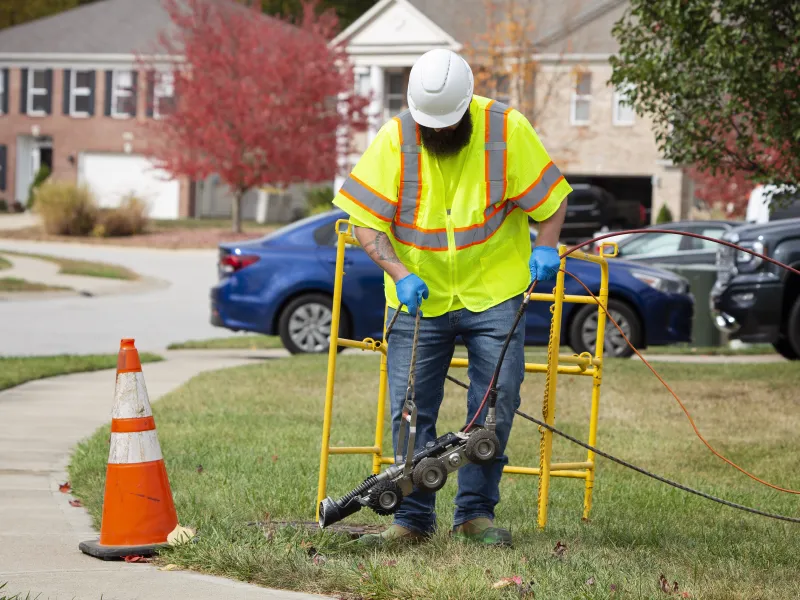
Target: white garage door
(113, 176)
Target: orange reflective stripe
(369, 199)
(539, 191)
(132, 425)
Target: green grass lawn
(83, 267)
(752, 350)
(4, 264)
(255, 430)
(15, 370)
(15, 284)
(241, 342)
(156, 225)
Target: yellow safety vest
(476, 253)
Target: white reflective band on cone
(130, 397)
(132, 448)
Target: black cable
(654, 476)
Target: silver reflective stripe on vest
(482, 233)
(410, 183)
(420, 239)
(495, 153)
(540, 189)
(374, 203)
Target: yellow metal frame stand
(585, 365)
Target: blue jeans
(483, 334)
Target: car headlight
(668, 285)
(749, 261)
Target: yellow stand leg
(549, 403)
(382, 385)
(332, 352)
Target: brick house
(587, 126)
(73, 99)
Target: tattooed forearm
(384, 248)
(379, 248)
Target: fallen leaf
(169, 567)
(506, 581)
(180, 535)
(134, 558)
(675, 586)
(75, 503)
(590, 581)
(559, 550)
(199, 468)
(686, 595)
(319, 559)
(389, 563)
(664, 585)
(613, 587)
(526, 591)
(274, 458)
(267, 516)
(65, 488)
(270, 535)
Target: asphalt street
(175, 311)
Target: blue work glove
(410, 291)
(544, 263)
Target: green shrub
(319, 199)
(41, 176)
(3, 205)
(66, 209)
(664, 215)
(130, 218)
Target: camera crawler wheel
(430, 474)
(482, 447)
(385, 497)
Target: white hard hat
(439, 88)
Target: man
(441, 201)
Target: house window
(122, 98)
(363, 84)
(80, 93)
(38, 93)
(163, 94)
(580, 105)
(395, 95)
(623, 111)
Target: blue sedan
(282, 284)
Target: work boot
(392, 535)
(483, 531)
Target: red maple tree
(257, 100)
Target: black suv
(756, 301)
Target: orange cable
(674, 395)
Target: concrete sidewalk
(39, 530)
(46, 272)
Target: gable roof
(104, 27)
(557, 26)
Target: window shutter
(109, 80)
(3, 163)
(92, 75)
(23, 92)
(134, 98)
(6, 91)
(48, 99)
(151, 93)
(67, 92)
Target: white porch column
(376, 107)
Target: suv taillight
(233, 262)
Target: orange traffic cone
(138, 510)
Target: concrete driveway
(176, 312)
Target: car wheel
(583, 331)
(305, 324)
(792, 333)
(784, 348)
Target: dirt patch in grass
(181, 233)
(242, 446)
(15, 370)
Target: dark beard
(447, 141)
